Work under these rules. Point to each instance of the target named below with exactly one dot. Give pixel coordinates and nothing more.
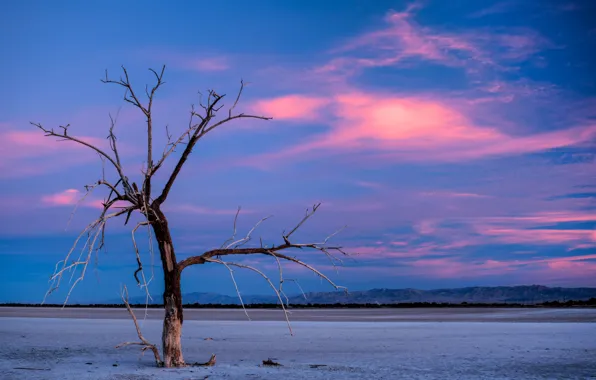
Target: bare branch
(298, 285)
(237, 289)
(66, 136)
(187, 134)
(309, 213)
(233, 248)
(139, 262)
(129, 94)
(89, 190)
(275, 251)
(281, 280)
(309, 267)
(197, 131)
(247, 238)
(225, 243)
(147, 181)
(93, 242)
(112, 137)
(131, 97)
(196, 135)
(237, 98)
(226, 263)
(146, 345)
(113, 188)
(228, 119)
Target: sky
(456, 140)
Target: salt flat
(83, 348)
(471, 314)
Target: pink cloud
(530, 229)
(423, 122)
(450, 267)
(401, 39)
(426, 227)
(369, 185)
(403, 250)
(572, 268)
(19, 144)
(547, 217)
(64, 198)
(557, 261)
(29, 152)
(203, 62)
(538, 236)
(406, 128)
(399, 243)
(520, 46)
(291, 107)
(208, 64)
(72, 197)
(559, 269)
(440, 268)
(449, 194)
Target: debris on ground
(271, 363)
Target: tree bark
(172, 296)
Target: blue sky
(455, 139)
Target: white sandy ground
(50, 348)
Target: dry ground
(550, 344)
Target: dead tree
(126, 197)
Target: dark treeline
(589, 303)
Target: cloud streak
(402, 41)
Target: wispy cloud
(450, 194)
(208, 64)
(494, 9)
(540, 229)
(538, 236)
(402, 40)
(66, 197)
(203, 62)
(539, 268)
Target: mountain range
(527, 294)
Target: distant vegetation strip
(571, 303)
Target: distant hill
(530, 294)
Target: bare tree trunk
(172, 296)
